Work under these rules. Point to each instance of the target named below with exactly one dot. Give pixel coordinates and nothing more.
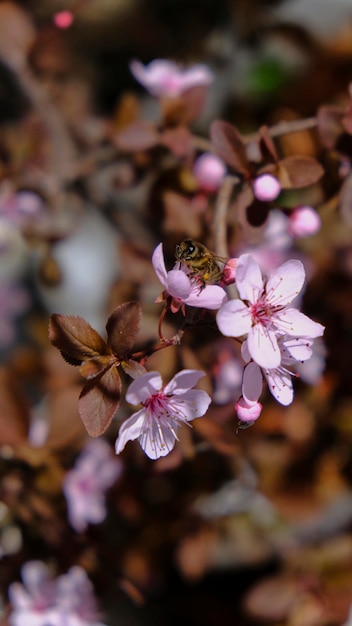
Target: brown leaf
(140, 135)
(229, 145)
(184, 109)
(97, 365)
(75, 338)
(99, 401)
(295, 172)
(122, 328)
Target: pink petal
(293, 322)
(296, 349)
(144, 387)
(211, 297)
(196, 75)
(234, 319)
(285, 283)
(183, 381)
(130, 430)
(159, 264)
(178, 285)
(280, 385)
(263, 347)
(249, 280)
(252, 384)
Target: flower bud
(248, 412)
(266, 188)
(209, 170)
(304, 221)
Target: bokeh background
(237, 526)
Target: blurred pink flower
(164, 409)
(63, 19)
(19, 207)
(165, 78)
(84, 486)
(45, 601)
(183, 289)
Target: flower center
(157, 404)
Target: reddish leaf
(133, 368)
(99, 401)
(140, 135)
(122, 328)
(267, 146)
(75, 338)
(97, 365)
(295, 172)
(228, 144)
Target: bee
(202, 263)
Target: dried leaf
(295, 172)
(140, 135)
(122, 328)
(228, 144)
(75, 338)
(99, 401)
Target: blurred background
(235, 526)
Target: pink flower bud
(248, 412)
(266, 188)
(209, 170)
(304, 221)
(63, 19)
(229, 273)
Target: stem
(220, 215)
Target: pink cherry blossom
(165, 78)
(266, 188)
(183, 289)
(262, 314)
(85, 485)
(209, 170)
(304, 221)
(164, 409)
(76, 600)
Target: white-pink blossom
(84, 486)
(163, 78)
(163, 410)
(262, 314)
(184, 289)
(248, 413)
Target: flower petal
(183, 381)
(249, 281)
(234, 319)
(143, 387)
(293, 322)
(159, 439)
(159, 264)
(296, 349)
(263, 346)
(130, 430)
(211, 297)
(280, 385)
(252, 384)
(194, 403)
(285, 283)
(178, 285)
